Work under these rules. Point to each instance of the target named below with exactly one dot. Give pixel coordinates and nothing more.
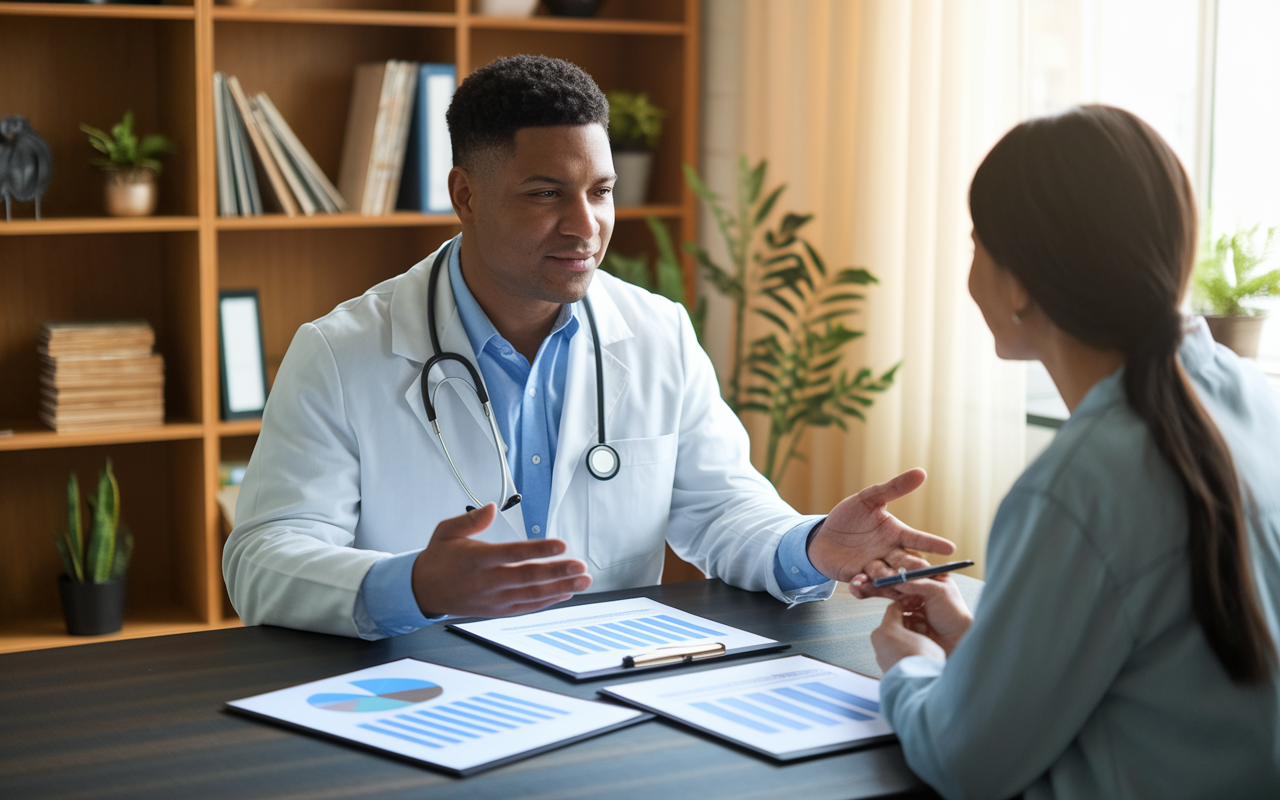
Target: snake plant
(103, 555)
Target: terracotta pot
(633, 168)
(1241, 334)
(130, 193)
(92, 609)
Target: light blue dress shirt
(1085, 674)
(527, 400)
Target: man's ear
(462, 193)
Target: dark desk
(143, 718)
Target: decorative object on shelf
(241, 358)
(793, 373)
(664, 277)
(1220, 295)
(131, 165)
(635, 124)
(93, 584)
(100, 375)
(573, 8)
(505, 8)
(26, 163)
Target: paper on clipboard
(590, 641)
(446, 718)
(785, 708)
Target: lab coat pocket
(627, 514)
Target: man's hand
(459, 576)
(860, 536)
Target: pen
(903, 576)
(674, 655)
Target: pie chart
(382, 694)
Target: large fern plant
(793, 373)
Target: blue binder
(428, 156)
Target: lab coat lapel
(578, 425)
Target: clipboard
(451, 720)
(784, 708)
(619, 637)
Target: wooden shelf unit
(89, 63)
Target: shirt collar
(475, 322)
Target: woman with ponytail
(1126, 642)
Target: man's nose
(580, 219)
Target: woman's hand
(930, 620)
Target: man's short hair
(518, 92)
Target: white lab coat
(347, 471)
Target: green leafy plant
(104, 554)
(1227, 272)
(663, 277)
(124, 150)
(634, 122)
(793, 373)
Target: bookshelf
(72, 63)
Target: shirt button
(533, 390)
(536, 529)
(537, 459)
(795, 570)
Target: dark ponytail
(1092, 211)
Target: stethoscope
(602, 460)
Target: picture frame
(242, 363)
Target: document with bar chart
(446, 718)
(785, 708)
(590, 641)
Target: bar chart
(791, 708)
(462, 721)
(625, 635)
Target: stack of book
(249, 129)
(397, 153)
(100, 375)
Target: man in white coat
(351, 517)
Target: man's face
(539, 218)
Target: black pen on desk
(903, 575)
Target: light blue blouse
(1085, 674)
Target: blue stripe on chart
(436, 725)
(598, 638)
(418, 730)
(712, 708)
(453, 721)
(485, 720)
(492, 713)
(643, 635)
(761, 697)
(530, 703)
(376, 729)
(537, 637)
(515, 709)
(576, 642)
(689, 625)
(777, 719)
(667, 635)
(615, 635)
(796, 694)
(844, 697)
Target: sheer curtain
(876, 113)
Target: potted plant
(635, 124)
(1226, 276)
(131, 167)
(92, 587)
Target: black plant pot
(573, 8)
(92, 609)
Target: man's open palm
(861, 537)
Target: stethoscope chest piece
(602, 462)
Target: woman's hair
(1091, 210)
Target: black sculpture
(26, 163)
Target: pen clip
(673, 655)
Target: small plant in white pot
(1228, 275)
(131, 165)
(92, 586)
(635, 125)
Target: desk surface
(144, 718)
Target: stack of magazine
(249, 127)
(100, 375)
